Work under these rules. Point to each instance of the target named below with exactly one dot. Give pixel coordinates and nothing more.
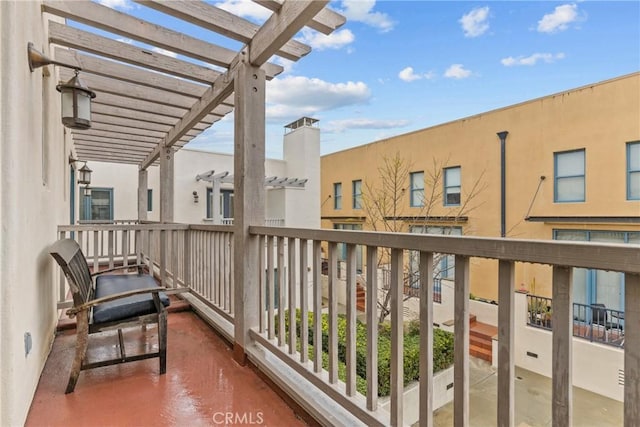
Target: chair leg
(162, 340)
(82, 339)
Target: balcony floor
(203, 385)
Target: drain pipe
(503, 183)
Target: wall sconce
(84, 173)
(195, 197)
(86, 191)
(76, 96)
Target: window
(342, 248)
(598, 286)
(417, 189)
(337, 195)
(149, 200)
(633, 171)
(225, 202)
(357, 194)
(569, 176)
(452, 186)
(98, 206)
(444, 269)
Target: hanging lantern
(76, 103)
(84, 175)
(86, 191)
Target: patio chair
(110, 302)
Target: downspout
(503, 183)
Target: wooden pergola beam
(223, 22)
(82, 40)
(326, 21)
(120, 23)
(141, 116)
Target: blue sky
(399, 66)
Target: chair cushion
(123, 308)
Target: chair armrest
(87, 305)
(122, 267)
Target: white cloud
(531, 59)
(287, 65)
(124, 40)
(246, 9)
(475, 23)
(320, 41)
(409, 75)
(164, 52)
(559, 20)
(362, 11)
(457, 71)
(295, 96)
(116, 4)
(339, 126)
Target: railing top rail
(117, 227)
(602, 256)
(211, 227)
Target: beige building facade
(565, 166)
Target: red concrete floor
(203, 385)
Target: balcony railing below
(201, 258)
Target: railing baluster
(280, 283)
(632, 349)
(96, 252)
(506, 346)
(562, 331)
(163, 257)
(187, 259)
(231, 276)
(270, 288)
(397, 339)
(426, 339)
(304, 301)
(174, 258)
(263, 295)
(372, 328)
(333, 312)
(292, 295)
(125, 247)
(317, 306)
(461, 343)
(351, 320)
(110, 248)
(62, 289)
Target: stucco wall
(34, 199)
(600, 118)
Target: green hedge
(442, 350)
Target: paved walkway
(533, 401)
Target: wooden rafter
(147, 100)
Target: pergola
(148, 105)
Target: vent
(621, 377)
(532, 354)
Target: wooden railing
(198, 257)
(299, 250)
(201, 258)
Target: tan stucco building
(571, 170)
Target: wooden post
(142, 194)
(562, 340)
(506, 347)
(249, 205)
(215, 202)
(166, 185)
(461, 343)
(632, 349)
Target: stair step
(472, 319)
(481, 335)
(478, 342)
(481, 353)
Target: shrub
(442, 350)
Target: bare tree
(385, 204)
